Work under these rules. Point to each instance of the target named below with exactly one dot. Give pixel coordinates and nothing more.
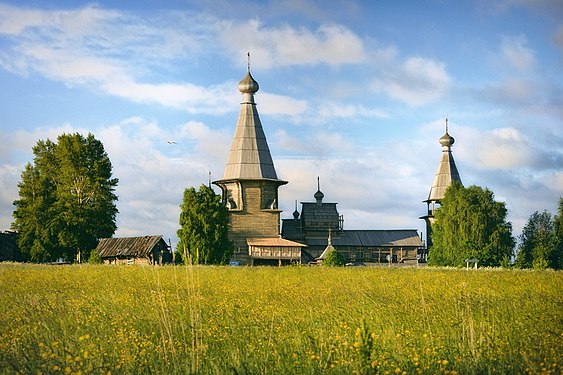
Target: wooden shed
(151, 250)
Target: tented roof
(249, 157)
(447, 172)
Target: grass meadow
(302, 320)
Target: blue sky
(355, 92)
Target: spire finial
(319, 194)
(248, 85)
(209, 179)
(446, 140)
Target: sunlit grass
(132, 319)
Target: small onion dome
(447, 140)
(248, 85)
(319, 195)
(296, 214)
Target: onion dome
(248, 85)
(319, 195)
(447, 140)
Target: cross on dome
(248, 85)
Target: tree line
(67, 203)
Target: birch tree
(203, 229)
(470, 224)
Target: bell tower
(446, 174)
(250, 183)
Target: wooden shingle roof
(278, 242)
(249, 157)
(128, 246)
(447, 172)
(372, 238)
(319, 215)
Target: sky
(353, 92)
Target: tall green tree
(66, 199)
(203, 232)
(540, 242)
(470, 224)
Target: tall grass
(130, 319)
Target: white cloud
(215, 99)
(554, 181)
(107, 51)
(331, 110)
(320, 144)
(70, 67)
(515, 52)
(519, 94)
(15, 21)
(505, 148)
(113, 52)
(304, 112)
(212, 145)
(518, 149)
(285, 45)
(273, 104)
(417, 81)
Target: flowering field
(132, 319)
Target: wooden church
(250, 192)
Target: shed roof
(128, 246)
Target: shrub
(95, 257)
(333, 258)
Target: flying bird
(171, 142)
